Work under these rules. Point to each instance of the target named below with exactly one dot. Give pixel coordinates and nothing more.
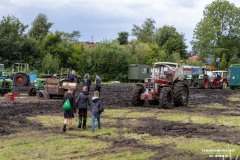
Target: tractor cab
(164, 73)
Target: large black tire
(136, 96)
(32, 91)
(166, 98)
(180, 94)
(21, 79)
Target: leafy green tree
(50, 64)
(109, 59)
(146, 32)
(170, 40)
(61, 44)
(123, 38)
(141, 52)
(40, 27)
(223, 62)
(11, 39)
(218, 32)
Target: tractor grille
(149, 86)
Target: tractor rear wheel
(21, 79)
(180, 94)
(166, 98)
(136, 96)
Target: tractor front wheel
(166, 98)
(32, 91)
(180, 94)
(136, 96)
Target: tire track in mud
(113, 96)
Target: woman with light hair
(83, 102)
(96, 108)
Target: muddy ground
(13, 116)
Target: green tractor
(39, 83)
(6, 86)
(21, 77)
(198, 78)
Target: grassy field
(127, 134)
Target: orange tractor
(166, 87)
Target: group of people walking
(84, 102)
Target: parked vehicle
(219, 79)
(198, 78)
(21, 77)
(165, 87)
(6, 86)
(138, 72)
(234, 76)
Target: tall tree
(11, 39)
(40, 27)
(218, 32)
(171, 41)
(123, 38)
(146, 32)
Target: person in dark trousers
(96, 108)
(69, 114)
(83, 103)
(86, 81)
(98, 82)
(72, 76)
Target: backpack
(101, 108)
(66, 106)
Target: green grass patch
(37, 145)
(211, 106)
(196, 145)
(128, 153)
(234, 98)
(200, 118)
(116, 113)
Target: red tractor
(219, 79)
(165, 87)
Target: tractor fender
(140, 85)
(44, 93)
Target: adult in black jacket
(69, 114)
(83, 103)
(87, 81)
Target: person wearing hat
(69, 114)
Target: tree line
(217, 35)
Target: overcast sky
(99, 20)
